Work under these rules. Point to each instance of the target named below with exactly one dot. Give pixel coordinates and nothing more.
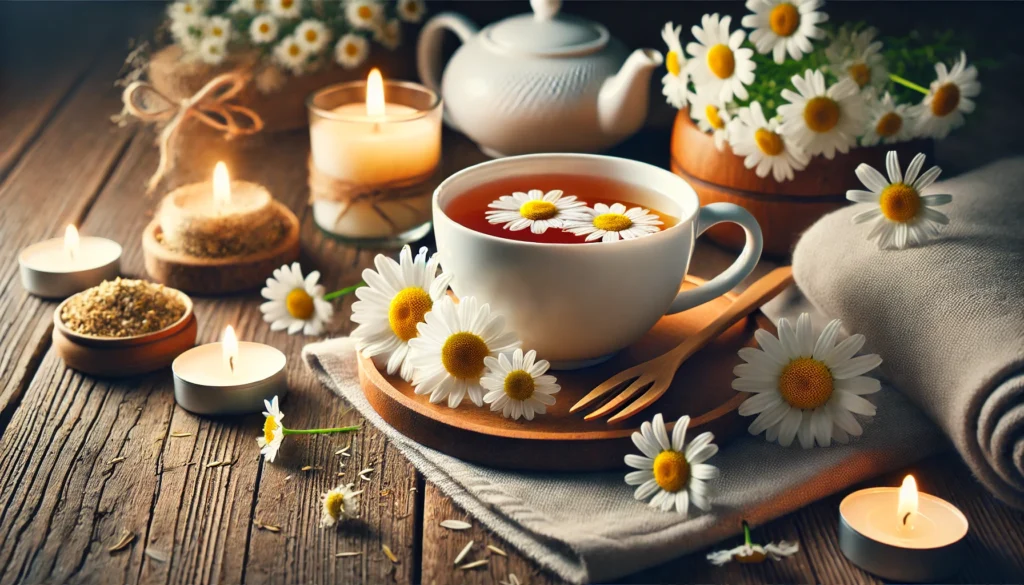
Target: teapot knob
(545, 9)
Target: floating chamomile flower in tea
(614, 222)
(518, 385)
(295, 303)
(338, 504)
(535, 209)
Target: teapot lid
(547, 33)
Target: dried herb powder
(122, 308)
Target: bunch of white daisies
(296, 35)
(835, 106)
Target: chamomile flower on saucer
(411, 10)
(675, 79)
(263, 29)
(286, 9)
(351, 50)
(670, 470)
(804, 388)
(392, 305)
(295, 303)
(720, 67)
(750, 553)
(313, 35)
(363, 14)
(711, 116)
(614, 222)
(823, 120)
(784, 26)
(858, 56)
(273, 431)
(291, 55)
(517, 384)
(535, 209)
(901, 214)
(889, 122)
(338, 504)
(448, 354)
(763, 145)
(949, 98)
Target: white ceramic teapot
(541, 82)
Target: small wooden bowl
(213, 276)
(116, 357)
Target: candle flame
(375, 94)
(907, 508)
(221, 184)
(230, 346)
(71, 241)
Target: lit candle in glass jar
(61, 267)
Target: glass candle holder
(374, 160)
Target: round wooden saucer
(559, 441)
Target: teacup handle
(708, 216)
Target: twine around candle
(209, 105)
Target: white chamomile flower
(338, 504)
(411, 10)
(291, 55)
(448, 354)
(902, 215)
(313, 35)
(212, 51)
(948, 99)
(674, 475)
(273, 431)
(351, 50)
(364, 14)
(782, 26)
(711, 116)
(536, 210)
(286, 9)
(889, 122)
(518, 385)
(614, 222)
(295, 303)
(189, 12)
(719, 66)
(763, 145)
(676, 78)
(248, 6)
(750, 553)
(804, 388)
(858, 56)
(218, 28)
(264, 29)
(392, 305)
(820, 120)
(389, 34)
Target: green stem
(344, 291)
(746, 533)
(320, 431)
(908, 83)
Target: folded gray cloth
(947, 318)
(587, 527)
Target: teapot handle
(428, 50)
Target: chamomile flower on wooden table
(535, 209)
(823, 119)
(750, 553)
(295, 303)
(274, 430)
(763, 146)
(610, 223)
(675, 79)
(711, 116)
(518, 385)
(720, 66)
(338, 504)
(784, 26)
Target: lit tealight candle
(61, 267)
(228, 377)
(901, 534)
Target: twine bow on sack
(209, 105)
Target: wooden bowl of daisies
(783, 210)
(559, 441)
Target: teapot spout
(622, 100)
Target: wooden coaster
(219, 275)
(559, 441)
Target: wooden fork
(658, 372)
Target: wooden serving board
(559, 441)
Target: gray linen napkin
(588, 527)
(947, 318)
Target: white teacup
(579, 304)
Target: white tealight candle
(61, 267)
(901, 534)
(228, 377)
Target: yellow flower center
(900, 202)
(217, 31)
(334, 504)
(721, 61)
(945, 100)
(519, 385)
(821, 114)
(351, 50)
(889, 125)
(259, 5)
(860, 73)
(612, 222)
(269, 426)
(299, 304)
(711, 113)
(407, 310)
(187, 8)
(463, 355)
(671, 471)
(412, 8)
(535, 209)
(805, 383)
(294, 50)
(311, 36)
(784, 19)
(672, 63)
(365, 12)
(755, 556)
(286, 4)
(769, 142)
(264, 28)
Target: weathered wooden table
(83, 459)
